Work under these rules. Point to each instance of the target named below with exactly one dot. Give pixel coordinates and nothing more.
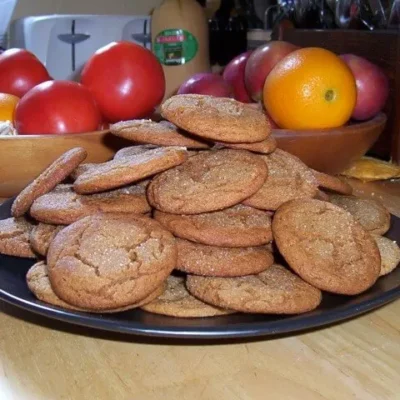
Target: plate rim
(292, 324)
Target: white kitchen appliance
(6, 10)
(65, 42)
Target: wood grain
(333, 150)
(23, 158)
(359, 359)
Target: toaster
(63, 43)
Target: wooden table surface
(358, 359)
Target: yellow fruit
(371, 169)
(8, 102)
(311, 88)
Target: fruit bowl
(23, 157)
(331, 150)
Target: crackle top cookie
(217, 118)
(110, 260)
(209, 181)
(326, 246)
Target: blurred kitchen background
(234, 25)
(70, 31)
(36, 7)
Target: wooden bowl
(331, 150)
(24, 157)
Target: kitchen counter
(359, 359)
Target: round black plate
(14, 290)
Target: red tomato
(126, 80)
(57, 107)
(20, 71)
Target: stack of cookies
(191, 220)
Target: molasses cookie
(390, 254)
(200, 259)
(81, 169)
(121, 172)
(266, 146)
(14, 237)
(41, 236)
(48, 180)
(67, 207)
(238, 226)
(133, 151)
(38, 283)
(288, 179)
(176, 301)
(326, 246)
(332, 183)
(210, 181)
(274, 291)
(161, 133)
(217, 118)
(110, 261)
(321, 195)
(370, 213)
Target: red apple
(234, 75)
(372, 86)
(260, 64)
(206, 83)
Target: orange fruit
(311, 88)
(8, 102)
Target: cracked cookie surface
(176, 301)
(209, 181)
(14, 237)
(274, 291)
(217, 118)
(38, 283)
(42, 235)
(370, 213)
(110, 260)
(65, 207)
(124, 171)
(162, 133)
(200, 259)
(237, 226)
(326, 246)
(47, 180)
(288, 179)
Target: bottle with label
(179, 32)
